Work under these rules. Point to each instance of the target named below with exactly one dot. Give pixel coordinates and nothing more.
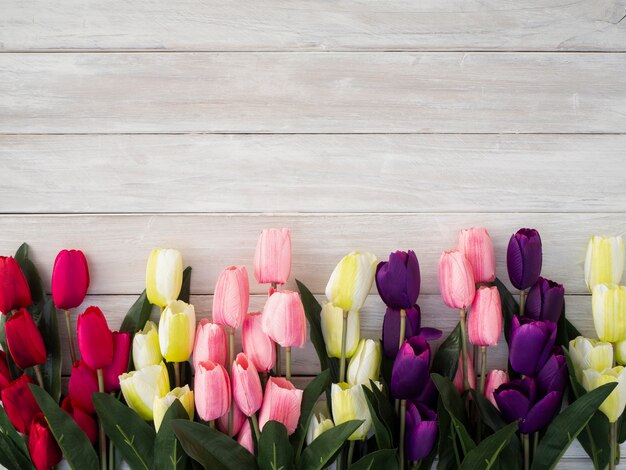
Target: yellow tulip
(162, 404)
(164, 276)
(318, 425)
(604, 263)
(620, 352)
(365, 364)
(587, 353)
(613, 406)
(141, 387)
(146, 349)
(332, 329)
(348, 403)
(177, 329)
(608, 304)
(351, 280)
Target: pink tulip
(211, 344)
(83, 383)
(245, 437)
(95, 340)
(238, 420)
(70, 279)
(494, 379)
(211, 390)
(283, 319)
(485, 319)
(475, 244)
(272, 259)
(456, 280)
(259, 347)
(281, 403)
(119, 365)
(458, 377)
(247, 390)
(232, 294)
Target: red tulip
(119, 366)
(247, 389)
(14, 290)
(83, 383)
(5, 375)
(70, 279)
(24, 340)
(84, 420)
(95, 340)
(43, 447)
(20, 404)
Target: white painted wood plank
(312, 93)
(221, 25)
(285, 173)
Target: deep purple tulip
(429, 394)
(410, 369)
(391, 329)
(545, 300)
(518, 400)
(421, 431)
(530, 344)
(523, 258)
(553, 375)
(398, 280)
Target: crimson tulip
(5, 374)
(119, 365)
(95, 340)
(19, 403)
(42, 446)
(70, 279)
(83, 383)
(14, 290)
(84, 420)
(24, 340)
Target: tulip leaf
(185, 288)
(489, 413)
(211, 448)
(449, 456)
(138, 315)
(446, 359)
(310, 396)
(567, 425)
(321, 451)
(381, 431)
(275, 451)
(386, 411)
(132, 436)
(168, 453)
(453, 404)
(37, 291)
(384, 458)
(49, 327)
(72, 440)
(486, 454)
(14, 444)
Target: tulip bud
(211, 343)
(212, 390)
(24, 340)
(410, 371)
(146, 348)
(281, 403)
(5, 375)
(332, 328)
(239, 419)
(162, 404)
(259, 347)
(494, 379)
(608, 304)
(475, 244)
(530, 344)
(351, 280)
(70, 279)
(613, 406)
(14, 290)
(42, 446)
(164, 276)
(553, 376)
(272, 258)
(588, 353)
(365, 364)
(398, 280)
(247, 389)
(545, 301)
(456, 281)
(620, 354)
(95, 340)
(82, 418)
(485, 320)
(82, 385)
(421, 431)
(604, 263)
(121, 353)
(523, 258)
(141, 387)
(232, 294)
(318, 425)
(458, 381)
(19, 403)
(244, 439)
(349, 403)
(284, 320)
(177, 329)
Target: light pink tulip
(238, 419)
(272, 259)
(458, 377)
(259, 347)
(211, 344)
(485, 319)
(245, 437)
(475, 244)
(211, 390)
(494, 379)
(247, 389)
(284, 320)
(232, 294)
(456, 280)
(281, 403)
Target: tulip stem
(402, 429)
(483, 368)
(344, 337)
(255, 426)
(526, 442)
(464, 357)
(402, 327)
(102, 439)
(350, 453)
(70, 338)
(522, 302)
(176, 366)
(613, 442)
(288, 363)
(212, 424)
(38, 374)
(278, 360)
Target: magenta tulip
(14, 290)
(456, 280)
(42, 446)
(95, 340)
(119, 365)
(485, 320)
(70, 279)
(257, 345)
(83, 383)
(19, 403)
(24, 340)
(211, 344)
(272, 258)
(284, 320)
(475, 244)
(247, 389)
(211, 390)
(232, 294)
(84, 420)
(281, 403)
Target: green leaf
(385, 458)
(73, 442)
(185, 288)
(275, 451)
(132, 436)
(11, 457)
(51, 370)
(567, 425)
(14, 446)
(447, 356)
(386, 411)
(138, 314)
(312, 309)
(489, 413)
(486, 454)
(449, 458)
(510, 307)
(321, 451)
(310, 396)
(453, 404)
(211, 448)
(168, 453)
(384, 439)
(37, 291)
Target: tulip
(84, 420)
(247, 389)
(318, 425)
(523, 258)
(495, 378)
(95, 340)
(70, 279)
(239, 419)
(588, 353)
(121, 355)
(391, 329)
(164, 276)
(613, 406)
(42, 446)
(609, 312)
(456, 280)
(232, 294)
(177, 329)
(553, 376)
(140, 387)
(349, 403)
(485, 320)
(82, 385)
(545, 300)
(410, 369)
(5, 375)
(272, 258)
(19, 403)
(429, 394)
(421, 431)
(257, 346)
(459, 378)
(284, 320)
(620, 354)
(146, 348)
(332, 329)
(398, 280)
(14, 290)
(212, 390)
(351, 281)
(475, 244)
(162, 404)
(604, 263)
(245, 439)
(530, 344)
(365, 364)
(24, 340)
(211, 343)
(281, 403)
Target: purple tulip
(545, 300)
(391, 329)
(428, 395)
(398, 280)
(518, 400)
(410, 369)
(421, 431)
(553, 376)
(523, 258)
(530, 344)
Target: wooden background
(371, 125)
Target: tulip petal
(541, 413)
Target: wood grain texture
(312, 93)
(283, 173)
(316, 25)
